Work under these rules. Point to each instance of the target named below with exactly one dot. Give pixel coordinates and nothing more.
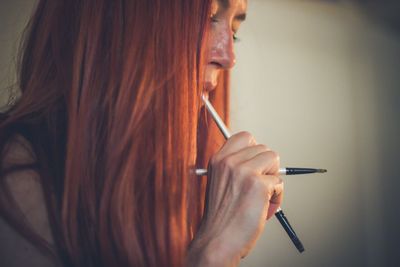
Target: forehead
(236, 4)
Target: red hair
(111, 105)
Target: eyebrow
(226, 4)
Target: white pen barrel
(202, 172)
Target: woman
(107, 132)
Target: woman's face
(226, 17)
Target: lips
(211, 77)
(208, 87)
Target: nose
(223, 53)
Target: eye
(235, 37)
(213, 18)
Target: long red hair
(111, 105)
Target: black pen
(279, 213)
(282, 171)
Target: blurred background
(319, 82)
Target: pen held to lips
(226, 133)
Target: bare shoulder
(15, 251)
(18, 150)
(26, 190)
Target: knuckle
(272, 182)
(214, 160)
(279, 186)
(269, 188)
(263, 147)
(282, 186)
(252, 183)
(248, 137)
(241, 171)
(245, 134)
(274, 155)
(228, 163)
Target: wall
(318, 82)
(13, 17)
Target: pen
(279, 213)
(282, 171)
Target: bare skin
(26, 189)
(226, 17)
(244, 188)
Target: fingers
(265, 162)
(274, 187)
(256, 159)
(274, 193)
(237, 142)
(241, 157)
(242, 148)
(275, 200)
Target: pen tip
(321, 170)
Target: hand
(243, 191)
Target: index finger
(236, 142)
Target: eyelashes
(235, 37)
(213, 18)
